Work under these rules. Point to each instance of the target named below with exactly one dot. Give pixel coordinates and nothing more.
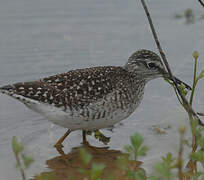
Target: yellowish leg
(60, 141)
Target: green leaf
(168, 160)
(197, 175)
(85, 156)
(16, 146)
(27, 160)
(162, 171)
(183, 90)
(197, 156)
(140, 175)
(129, 149)
(201, 75)
(136, 140)
(96, 170)
(83, 171)
(130, 174)
(142, 151)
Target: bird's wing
(84, 86)
(74, 88)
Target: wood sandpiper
(91, 98)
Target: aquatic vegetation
(23, 161)
(96, 169)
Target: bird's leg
(60, 141)
(98, 135)
(60, 150)
(84, 136)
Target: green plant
(95, 171)
(197, 145)
(136, 147)
(193, 116)
(163, 170)
(23, 161)
(128, 162)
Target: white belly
(101, 114)
(74, 120)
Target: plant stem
(20, 167)
(177, 95)
(194, 144)
(135, 156)
(201, 3)
(194, 139)
(187, 106)
(180, 156)
(194, 81)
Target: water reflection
(66, 166)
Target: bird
(91, 98)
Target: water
(44, 37)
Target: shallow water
(43, 37)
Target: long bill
(178, 81)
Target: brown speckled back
(77, 88)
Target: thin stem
(20, 167)
(177, 95)
(194, 81)
(194, 143)
(157, 40)
(135, 155)
(187, 106)
(180, 156)
(201, 3)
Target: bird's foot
(101, 137)
(59, 145)
(59, 148)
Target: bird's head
(148, 65)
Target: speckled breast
(108, 110)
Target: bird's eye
(151, 65)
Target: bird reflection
(66, 166)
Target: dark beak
(178, 81)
